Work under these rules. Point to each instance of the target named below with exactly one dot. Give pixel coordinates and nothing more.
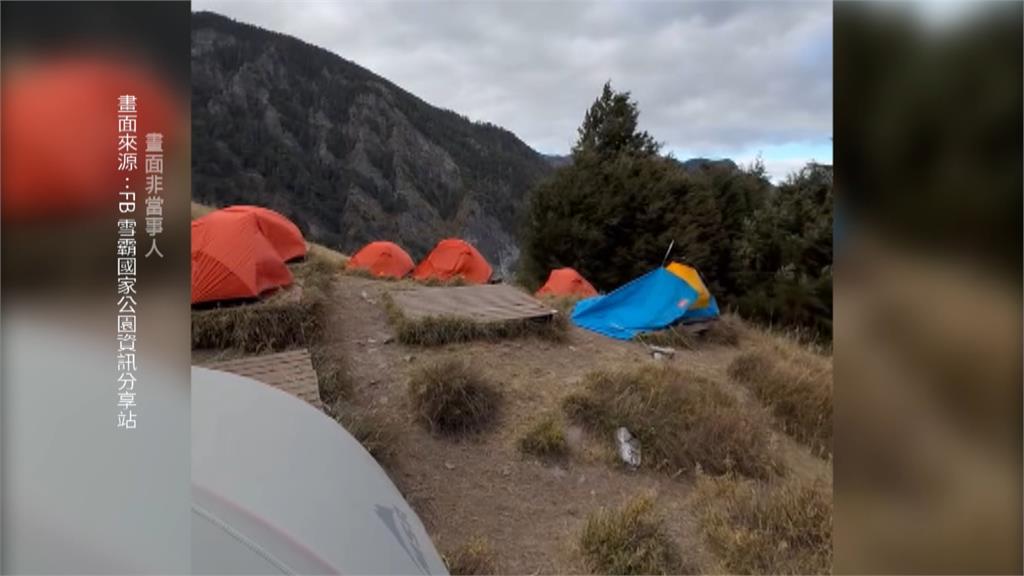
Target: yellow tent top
(690, 275)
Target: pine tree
(612, 212)
(610, 128)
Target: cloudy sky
(713, 79)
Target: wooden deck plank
(485, 303)
(290, 371)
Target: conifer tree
(610, 128)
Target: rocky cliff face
(346, 154)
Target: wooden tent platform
(290, 371)
(485, 303)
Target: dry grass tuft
(441, 330)
(473, 557)
(256, 328)
(725, 331)
(332, 377)
(453, 281)
(748, 366)
(453, 398)
(684, 422)
(800, 397)
(364, 273)
(672, 337)
(359, 273)
(316, 273)
(335, 259)
(369, 428)
(545, 439)
(564, 304)
(767, 528)
(630, 540)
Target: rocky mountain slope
(348, 155)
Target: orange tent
(282, 233)
(452, 258)
(566, 282)
(231, 258)
(382, 259)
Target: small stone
(449, 465)
(371, 341)
(364, 295)
(664, 351)
(629, 448)
(506, 470)
(572, 348)
(388, 339)
(659, 356)
(408, 358)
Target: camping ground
(490, 507)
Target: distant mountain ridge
(696, 164)
(558, 160)
(348, 155)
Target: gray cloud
(713, 78)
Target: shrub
(545, 439)
(630, 540)
(800, 398)
(473, 557)
(451, 397)
(684, 422)
(767, 529)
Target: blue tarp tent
(651, 302)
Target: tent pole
(667, 252)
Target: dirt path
(530, 513)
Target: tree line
(764, 250)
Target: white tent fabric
(278, 487)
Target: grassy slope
(512, 468)
(489, 488)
